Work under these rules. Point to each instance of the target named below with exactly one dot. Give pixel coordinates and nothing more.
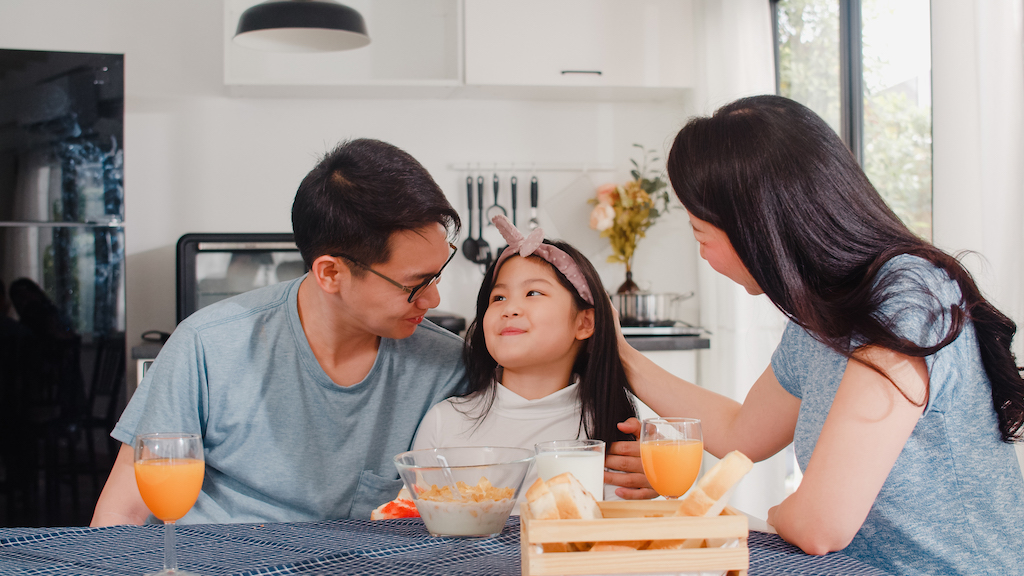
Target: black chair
(103, 406)
(56, 402)
(19, 355)
(72, 412)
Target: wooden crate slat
(636, 529)
(637, 562)
(633, 521)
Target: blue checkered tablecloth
(399, 547)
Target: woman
(894, 378)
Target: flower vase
(628, 287)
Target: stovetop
(675, 329)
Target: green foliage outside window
(897, 113)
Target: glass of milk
(584, 458)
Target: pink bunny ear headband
(533, 245)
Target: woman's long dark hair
(603, 383)
(814, 233)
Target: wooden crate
(635, 520)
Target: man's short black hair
(360, 194)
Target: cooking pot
(643, 309)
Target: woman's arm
(865, 431)
(759, 427)
(120, 501)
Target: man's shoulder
(430, 354)
(242, 308)
(431, 338)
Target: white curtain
(978, 150)
(737, 60)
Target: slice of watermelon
(400, 509)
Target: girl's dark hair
(361, 193)
(814, 233)
(603, 383)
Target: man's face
(382, 308)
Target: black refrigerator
(62, 307)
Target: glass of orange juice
(169, 470)
(671, 450)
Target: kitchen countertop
(654, 343)
(148, 350)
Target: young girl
(894, 379)
(541, 355)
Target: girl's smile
(532, 323)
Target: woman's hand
(624, 458)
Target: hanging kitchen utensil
(470, 246)
(483, 249)
(513, 181)
(495, 208)
(490, 232)
(533, 203)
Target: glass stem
(170, 552)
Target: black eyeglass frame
(413, 291)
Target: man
(305, 390)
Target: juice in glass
(671, 466)
(169, 487)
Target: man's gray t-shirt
(282, 441)
(954, 501)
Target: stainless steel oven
(215, 266)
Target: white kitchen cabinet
(613, 43)
(679, 363)
(412, 43)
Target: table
(337, 547)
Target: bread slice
(725, 474)
(541, 501)
(675, 544)
(562, 497)
(696, 503)
(572, 499)
(707, 497)
(619, 546)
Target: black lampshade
(301, 26)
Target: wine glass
(169, 470)
(671, 450)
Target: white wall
(198, 160)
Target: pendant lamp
(301, 26)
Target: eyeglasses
(413, 291)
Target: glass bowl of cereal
(465, 491)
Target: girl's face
(532, 322)
(716, 248)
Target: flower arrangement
(623, 213)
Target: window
(865, 67)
